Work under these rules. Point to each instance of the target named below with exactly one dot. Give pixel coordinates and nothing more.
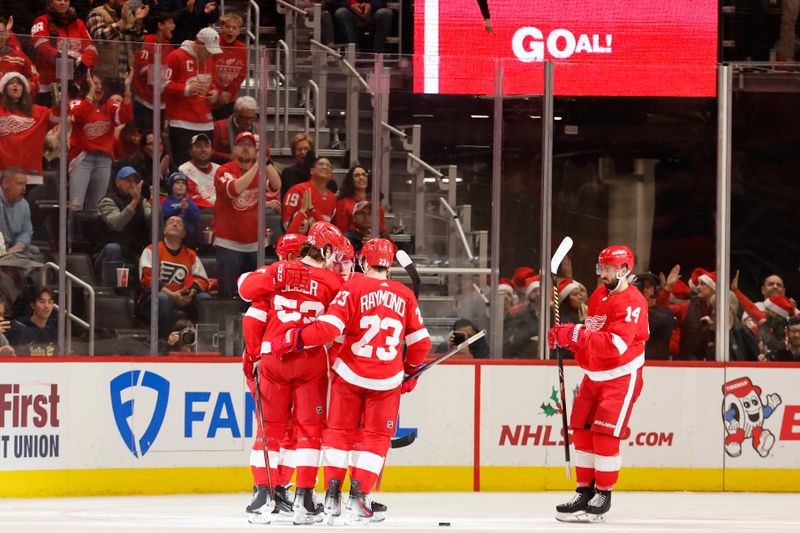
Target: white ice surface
(489, 512)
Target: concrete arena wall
(77, 426)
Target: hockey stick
(445, 356)
(406, 262)
(261, 423)
(405, 440)
(561, 252)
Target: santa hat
(709, 278)
(780, 305)
(740, 387)
(521, 275)
(505, 285)
(566, 286)
(680, 293)
(693, 279)
(531, 284)
(8, 76)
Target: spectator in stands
(183, 281)
(62, 22)
(127, 141)
(115, 29)
(126, 225)
(179, 204)
(361, 228)
(23, 127)
(190, 16)
(694, 343)
(313, 193)
(792, 351)
(230, 67)
(245, 114)
(36, 334)
(521, 274)
(15, 213)
(142, 162)
(91, 149)
(742, 344)
(352, 15)
(13, 59)
(189, 93)
(5, 325)
(506, 289)
(661, 318)
(200, 171)
(521, 324)
(163, 24)
(462, 330)
(356, 187)
(236, 211)
(302, 146)
(787, 43)
(571, 296)
(772, 330)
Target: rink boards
(80, 426)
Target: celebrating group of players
(325, 346)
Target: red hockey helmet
(324, 234)
(615, 256)
(377, 252)
(289, 244)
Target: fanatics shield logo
(124, 410)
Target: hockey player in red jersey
(610, 349)
(254, 323)
(375, 315)
(295, 387)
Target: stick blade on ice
(561, 252)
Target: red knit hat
(780, 305)
(566, 286)
(680, 292)
(521, 274)
(531, 283)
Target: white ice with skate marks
(488, 512)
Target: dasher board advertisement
(608, 48)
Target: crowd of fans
(207, 155)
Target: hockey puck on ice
(444, 523)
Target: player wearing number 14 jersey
(295, 386)
(609, 347)
(375, 315)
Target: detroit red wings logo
(93, 130)
(11, 124)
(595, 323)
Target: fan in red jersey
(374, 314)
(610, 348)
(295, 387)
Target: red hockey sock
(584, 457)
(607, 460)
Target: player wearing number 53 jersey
(375, 315)
(609, 347)
(295, 385)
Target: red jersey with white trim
(324, 206)
(79, 45)
(375, 316)
(182, 110)
(14, 60)
(230, 68)
(289, 307)
(142, 62)
(616, 329)
(93, 128)
(22, 138)
(236, 215)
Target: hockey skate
(306, 510)
(598, 506)
(283, 503)
(333, 501)
(575, 509)
(258, 512)
(359, 507)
